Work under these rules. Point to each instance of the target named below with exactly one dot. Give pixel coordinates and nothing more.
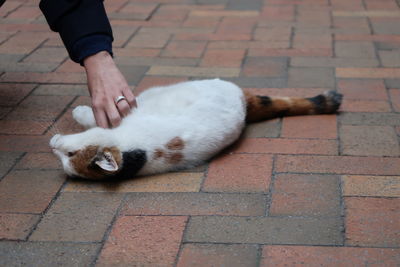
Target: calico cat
(174, 127)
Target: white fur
(208, 115)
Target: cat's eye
(70, 154)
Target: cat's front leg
(84, 116)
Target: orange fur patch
(158, 153)
(174, 158)
(175, 144)
(82, 161)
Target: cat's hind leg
(84, 116)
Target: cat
(174, 127)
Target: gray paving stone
(369, 141)
(195, 204)
(269, 128)
(46, 254)
(244, 5)
(392, 83)
(7, 160)
(133, 74)
(78, 217)
(364, 118)
(311, 77)
(61, 89)
(265, 230)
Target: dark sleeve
(77, 19)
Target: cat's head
(87, 161)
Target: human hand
(106, 83)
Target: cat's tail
(265, 107)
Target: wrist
(99, 59)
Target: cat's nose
(54, 140)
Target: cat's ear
(107, 162)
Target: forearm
(76, 21)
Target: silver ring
(119, 98)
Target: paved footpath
(312, 191)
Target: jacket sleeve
(75, 20)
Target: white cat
(174, 127)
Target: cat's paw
(84, 116)
(333, 101)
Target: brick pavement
(314, 191)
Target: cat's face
(91, 161)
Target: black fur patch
(133, 161)
(265, 100)
(319, 102)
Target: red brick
(39, 160)
(363, 89)
(244, 44)
(365, 106)
(230, 25)
(22, 43)
(223, 58)
(151, 81)
(286, 146)
(366, 37)
(328, 256)
(26, 143)
(170, 13)
(273, 34)
(38, 77)
(186, 49)
(312, 15)
(70, 66)
(338, 165)
(25, 12)
(303, 40)
(321, 126)
(382, 5)
(239, 173)
(143, 241)
(313, 195)
(23, 127)
(202, 255)
(122, 34)
(138, 11)
(29, 191)
(199, 22)
(65, 125)
(372, 221)
(279, 13)
(351, 25)
(212, 37)
(40, 108)
(194, 204)
(368, 73)
(47, 54)
(17, 226)
(395, 99)
(12, 94)
(347, 5)
(9, 6)
(298, 52)
(149, 40)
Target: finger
(123, 108)
(113, 115)
(130, 97)
(101, 118)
